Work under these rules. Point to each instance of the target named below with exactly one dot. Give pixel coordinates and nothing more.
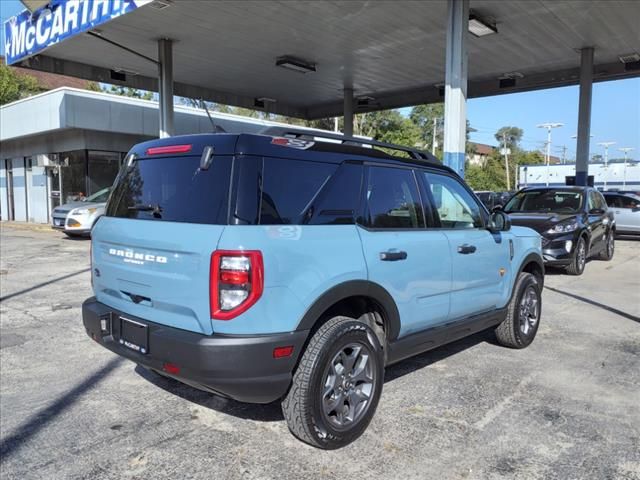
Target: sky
(615, 112)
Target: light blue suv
(290, 267)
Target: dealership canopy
(314, 59)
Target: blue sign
(29, 33)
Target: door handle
(466, 249)
(393, 256)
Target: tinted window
(455, 205)
(173, 190)
(612, 200)
(338, 201)
(627, 201)
(99, 197)
(392, 199)
(289, 187)
(561, 201)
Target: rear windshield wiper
(156, 209)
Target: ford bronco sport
(294, 268)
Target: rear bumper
(241, 367)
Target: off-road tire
(303, 406)
(577, 265)
(607, 252)
(510, 332)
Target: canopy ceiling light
(480, 27)
(295, 64)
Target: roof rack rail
(297, 133)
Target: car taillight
(236, 282)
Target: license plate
(134, 335)
(57, 222)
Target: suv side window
(289, 187)
(596, 201)
(627, 202)
(455, 206)
(612, 200)
(392, 199)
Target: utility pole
(549, 126)
(606, 146)
(625, 150)
(506, 159)
(563, 149)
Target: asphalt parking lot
(568, 407)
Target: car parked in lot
(574, 222)
(492, 200)
(626, 208)
(284, 267)
(77, 218)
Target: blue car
(289, 267)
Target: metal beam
(165, 81)
(383, 100)
(348, 112)
(584, 116)
(455, 89)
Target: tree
(423, 117)
(513, 136)
(129, 92)
(14, 86)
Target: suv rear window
(172, 189)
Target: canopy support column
(165, 87)
(348, 112)
(584, 116)
(455, 92)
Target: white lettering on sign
(29, 33)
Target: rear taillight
(236, 282)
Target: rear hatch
(151, 251)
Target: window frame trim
(364, 207)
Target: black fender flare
(537, 259)
(355, 288)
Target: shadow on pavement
(43, 284)
(272, 411)
(596, 304)
(43, 417)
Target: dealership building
(68, 143)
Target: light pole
(549, 126)
(625, 150)
(606, 160)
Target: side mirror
(596, 211)
(499, 222)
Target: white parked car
(626, 208)
(77, 218)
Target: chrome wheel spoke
(348, 385)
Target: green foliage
(513, 136)
(129, 92)
(492, 175)
(14, 86)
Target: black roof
(306, 146)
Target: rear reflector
(281, 352)
(234, 278)
(171, 368)
(168, 149)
